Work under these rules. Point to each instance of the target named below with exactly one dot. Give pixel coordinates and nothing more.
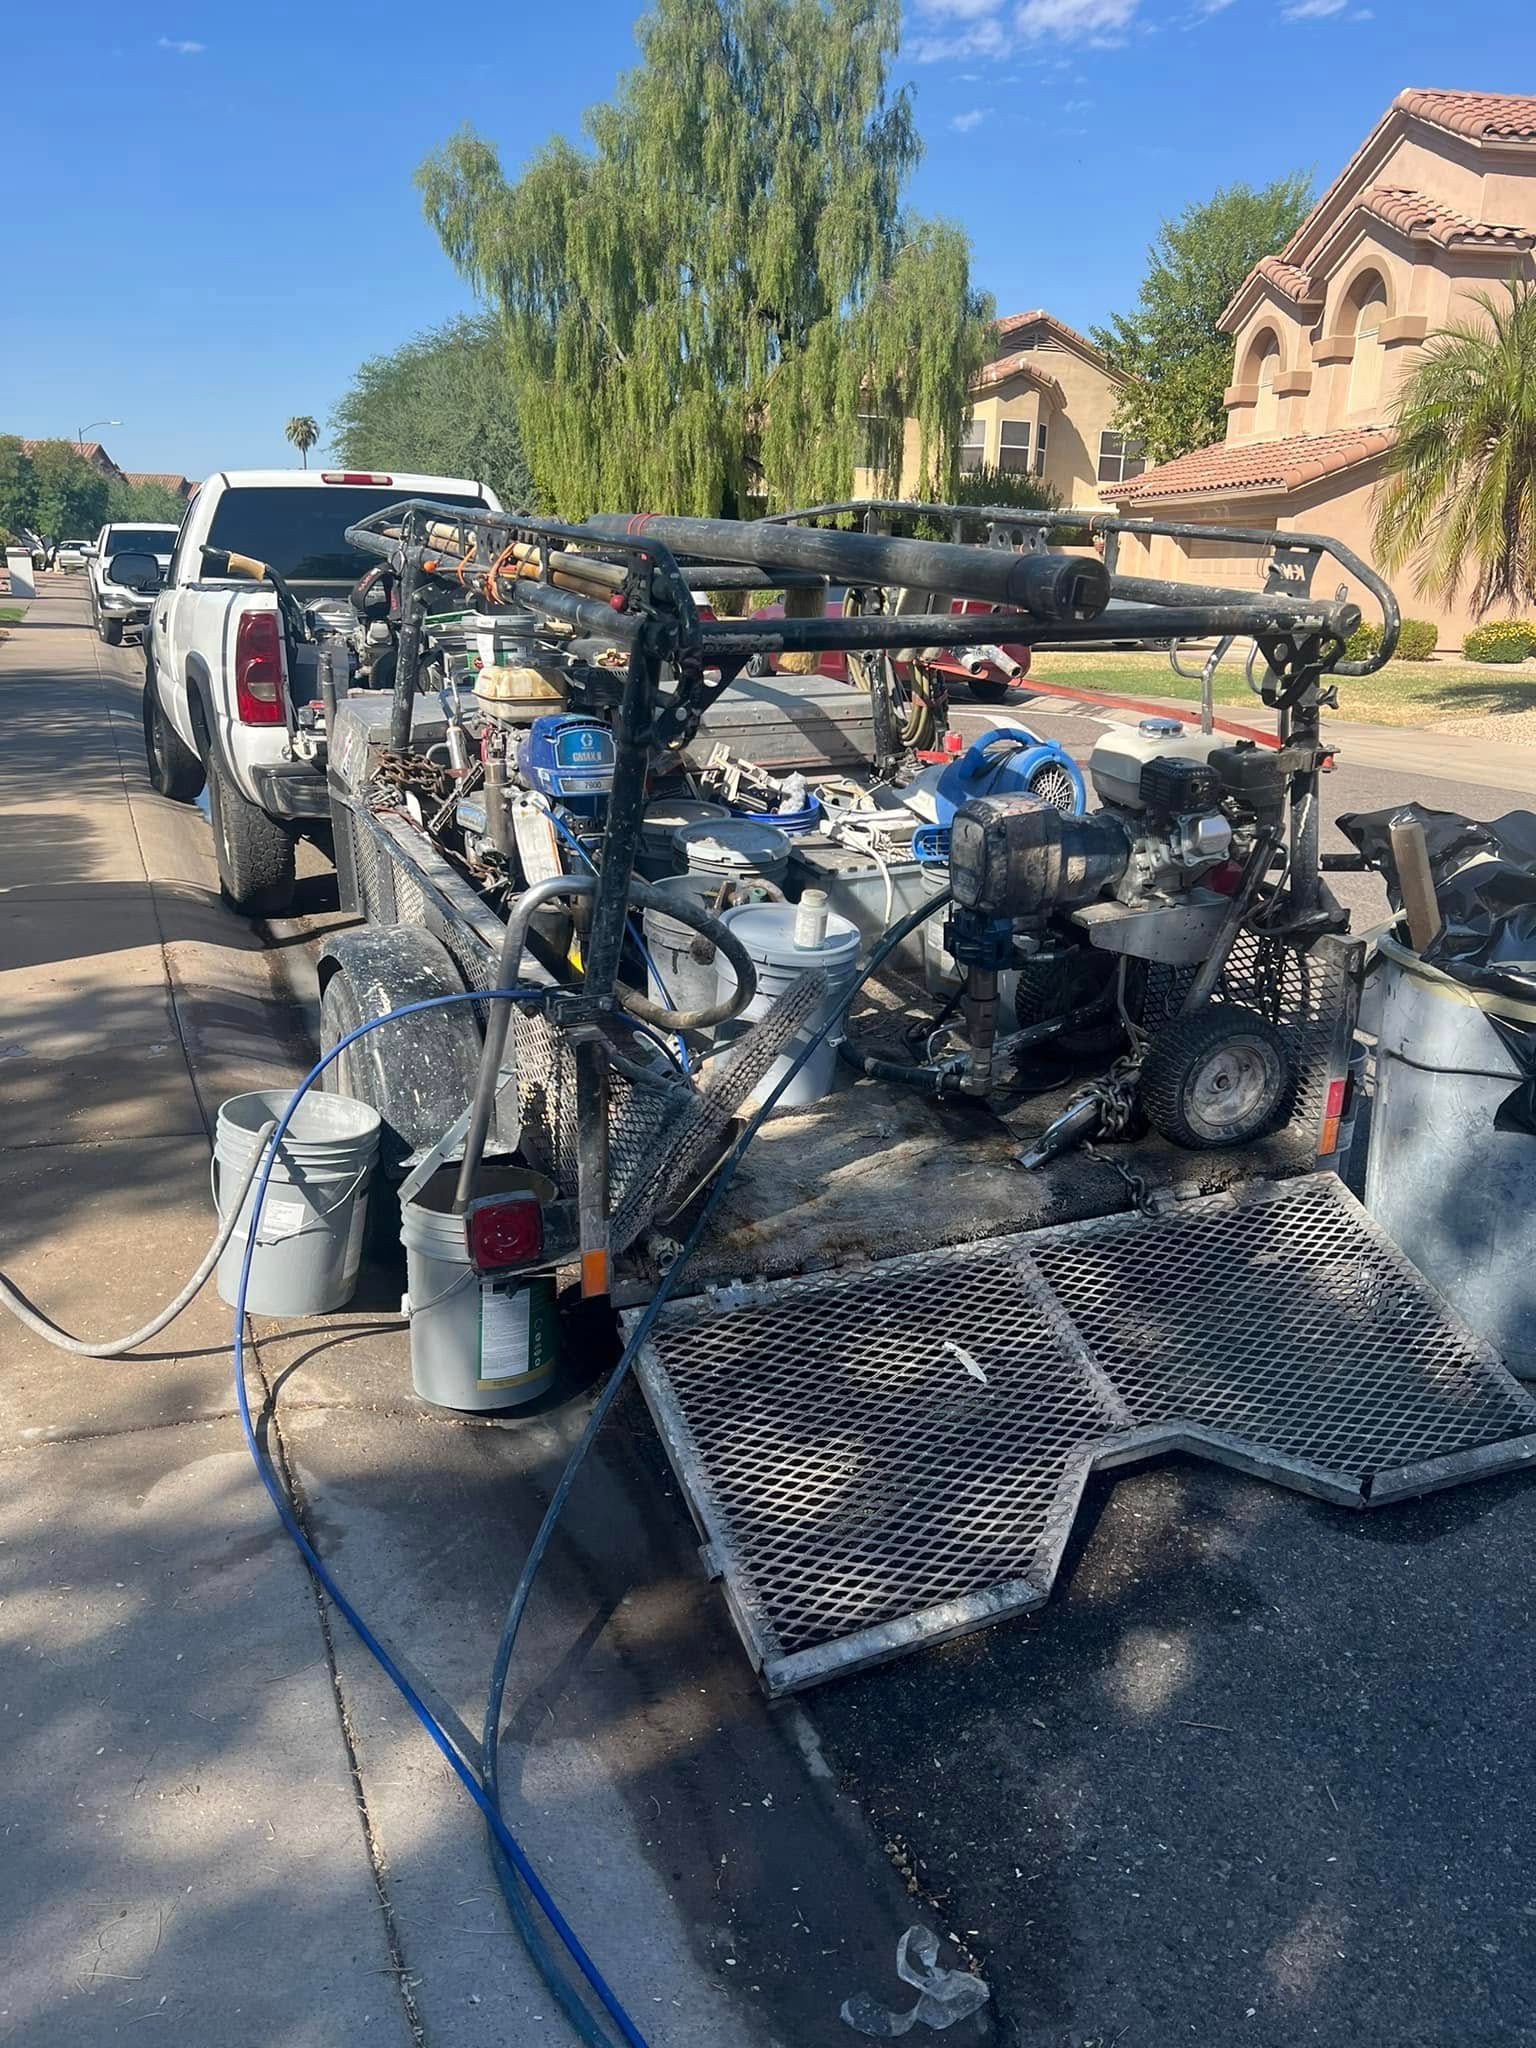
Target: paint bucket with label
(310, 1237)
(477, 1342)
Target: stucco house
(1042, 406)
(1438, 204)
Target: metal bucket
(310, 1237)
(1454, 1191)
(476, 1343)
(679, 978)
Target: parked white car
(225, 674)
(114, 605)
(71, 556)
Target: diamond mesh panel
(1288, 1322)
(864, 1489)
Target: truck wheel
(255, 856)
(1222, 1077)
(174, 770)
(111, 631)
(418, 1074)
(988, 692)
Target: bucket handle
(320, 1214)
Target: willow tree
(721, 296)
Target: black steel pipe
(1047, 586)
(734, 576)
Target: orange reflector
(594, 1275)
(1329, 1142)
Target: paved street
(1258, 1774)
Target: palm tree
(1459, 495)
(303, 433)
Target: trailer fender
(418, 1073)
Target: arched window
(1365, 310)
(1263, 369)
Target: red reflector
(1334, 1106)
(504, 1230)
(352, 476)
(259, 669)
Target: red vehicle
(988, 679)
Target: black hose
(697, 919)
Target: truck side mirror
(134, 571)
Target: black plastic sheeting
(1485, 883)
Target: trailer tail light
(259, 669)
(352, 476)
(504, 1230)
(1333, 1112)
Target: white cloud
(1077, 106)
(1097, 22)
(971, 118)
(1313, 10)
(182, 49)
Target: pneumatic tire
(111, 631)
(986, 691)
(255, 855)
(1219, 1078)
(174, 770)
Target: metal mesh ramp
(882, 1458)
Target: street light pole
(83, 431)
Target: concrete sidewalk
(216, 1813)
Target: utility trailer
(1004, 1250)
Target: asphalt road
(1260, 1772)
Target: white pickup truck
(225, 676)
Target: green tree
(444, 403)
(1169, 345)
(18, 487)
(1459, 496)
(302, 431)
(70, 497)
(155, 504)
(720, 295)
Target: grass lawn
(12, 614)
(1403, 693)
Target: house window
(1121, 456)
(973, 446)
(1013, 453)
(1040, 449)
(873, 436)
(1368, 308)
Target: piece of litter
(946, 1996)
(959, 1351)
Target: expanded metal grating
(886, 1457)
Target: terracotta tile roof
(1296, 284)
(1427, 220)
(169, 477)
(92, 451)
(1025, 363)
(1008, 323)
(1236, 468)
(1485, 116)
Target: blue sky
(210, 218)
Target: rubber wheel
(1222, 1077)
(255, 856)
(987, 692)
(174, 770)
(111, 631)
(1052, 988)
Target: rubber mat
(884, 1457)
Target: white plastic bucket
(767, 930)
(679, 979)
(1453, 1191)
(476, 1343)
(310, 1237)
(737, 850)
(940, 973)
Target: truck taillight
(504, 1230)
(259, 670)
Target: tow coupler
(883, 1458)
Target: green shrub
(1504, 640)
(1362, 643)
(1416, 641)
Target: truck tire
(174, 770)
(255, 855)
(1221, 1077)
(418, 1074)
(987, 691)
(111, 631)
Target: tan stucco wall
(1072, 426)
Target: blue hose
(500, 1834)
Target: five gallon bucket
(664, 818)
(767, 930)
(476, 1343)
(1453, 1190)
(682, 967)
(736, 850)
(310, 1236)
